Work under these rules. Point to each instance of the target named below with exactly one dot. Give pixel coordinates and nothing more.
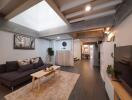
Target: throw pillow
(41, 61)
(35, 60)
(24, 62)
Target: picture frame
(25, 42)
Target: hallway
(90, 85)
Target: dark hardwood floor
(89, 85)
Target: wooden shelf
(120, 92)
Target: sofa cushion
(41, 68)
(34, 60)
(36, 65)
(9, 75)
(2, 68)
(16, 75)
(23, 68)
(11, 66)
(39, 64)
(41, 61)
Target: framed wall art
(24, 42)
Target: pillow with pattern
(35, 60)
(23, 62)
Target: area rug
(52, 88)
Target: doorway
(87, 52)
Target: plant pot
(112, 77)
(51, 59)
(109, 75)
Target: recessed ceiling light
(88, 8)
(58, 37)
(85, 46)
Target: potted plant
(50, 53)
(110, 71)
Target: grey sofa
(12, 75)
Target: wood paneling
(54, 6)
(19, 9)
(10, 6)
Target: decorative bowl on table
(49, 69)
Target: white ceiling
(39, 17)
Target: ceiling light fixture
(107, 32)
(108, 28)
(58, 37)
(88, 8)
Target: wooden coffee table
(43, 73)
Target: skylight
(39, 17)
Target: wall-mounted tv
(123, 65)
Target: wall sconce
(111, 37)
(107, 30)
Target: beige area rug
(52, 88)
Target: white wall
(123, 37)
(58, 45)
(106, 48)
(123, 32)
(7, 53)
(77, 48)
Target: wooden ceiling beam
(90, 35)
(91, 40)
(21, 8)
(89, 43)
(56, 9)
(106, 21)
(94, 16)
(96, 29)
(74, 35)
(107, 4)
(73, 4)
(3, 3)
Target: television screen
(123, 65)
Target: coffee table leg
(38, 84)
(59, 71)
(33, 80)
(54, 73)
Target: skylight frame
(35, 18)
